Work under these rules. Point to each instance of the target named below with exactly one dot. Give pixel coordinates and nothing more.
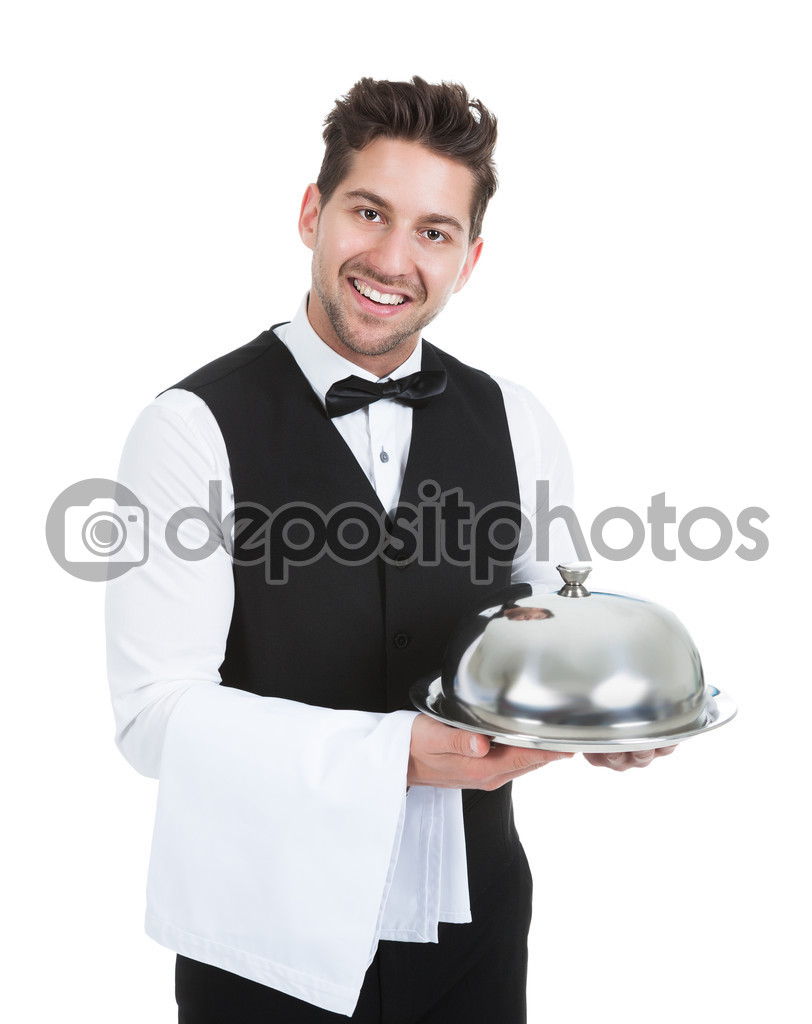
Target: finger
(622, 761)
(500, 780)
(617, 762)
(505, 763)
(504, 760)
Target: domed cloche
(575, 670)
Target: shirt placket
(381, 436)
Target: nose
(392, 254)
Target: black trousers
(476, 972)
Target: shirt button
(402, 640)
(401, 561)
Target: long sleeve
(544, 471)
(167, 620)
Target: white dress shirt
(284, 847)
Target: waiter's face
(397, 226)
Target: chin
(387, 338)
(380, 347)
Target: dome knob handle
(573, 577)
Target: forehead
(413, 179)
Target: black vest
(353, 631)
(357, 632)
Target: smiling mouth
(382, 298)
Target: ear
(309, 216)
(471, 260)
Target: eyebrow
(380, 203)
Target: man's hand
(455, 759)
(621, 761)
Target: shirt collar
(323, 366)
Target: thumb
(433, 737)
(471, 744)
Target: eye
(433, 235)
(370, 215)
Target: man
(311, 855)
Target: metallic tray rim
(431, 700)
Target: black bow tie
(354, 392)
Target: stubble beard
(340, 321)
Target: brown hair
(441, 117)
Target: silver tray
(432, 702)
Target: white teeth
(385, 299)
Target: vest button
(402, 640)
(402, 561)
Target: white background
(646, 273)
